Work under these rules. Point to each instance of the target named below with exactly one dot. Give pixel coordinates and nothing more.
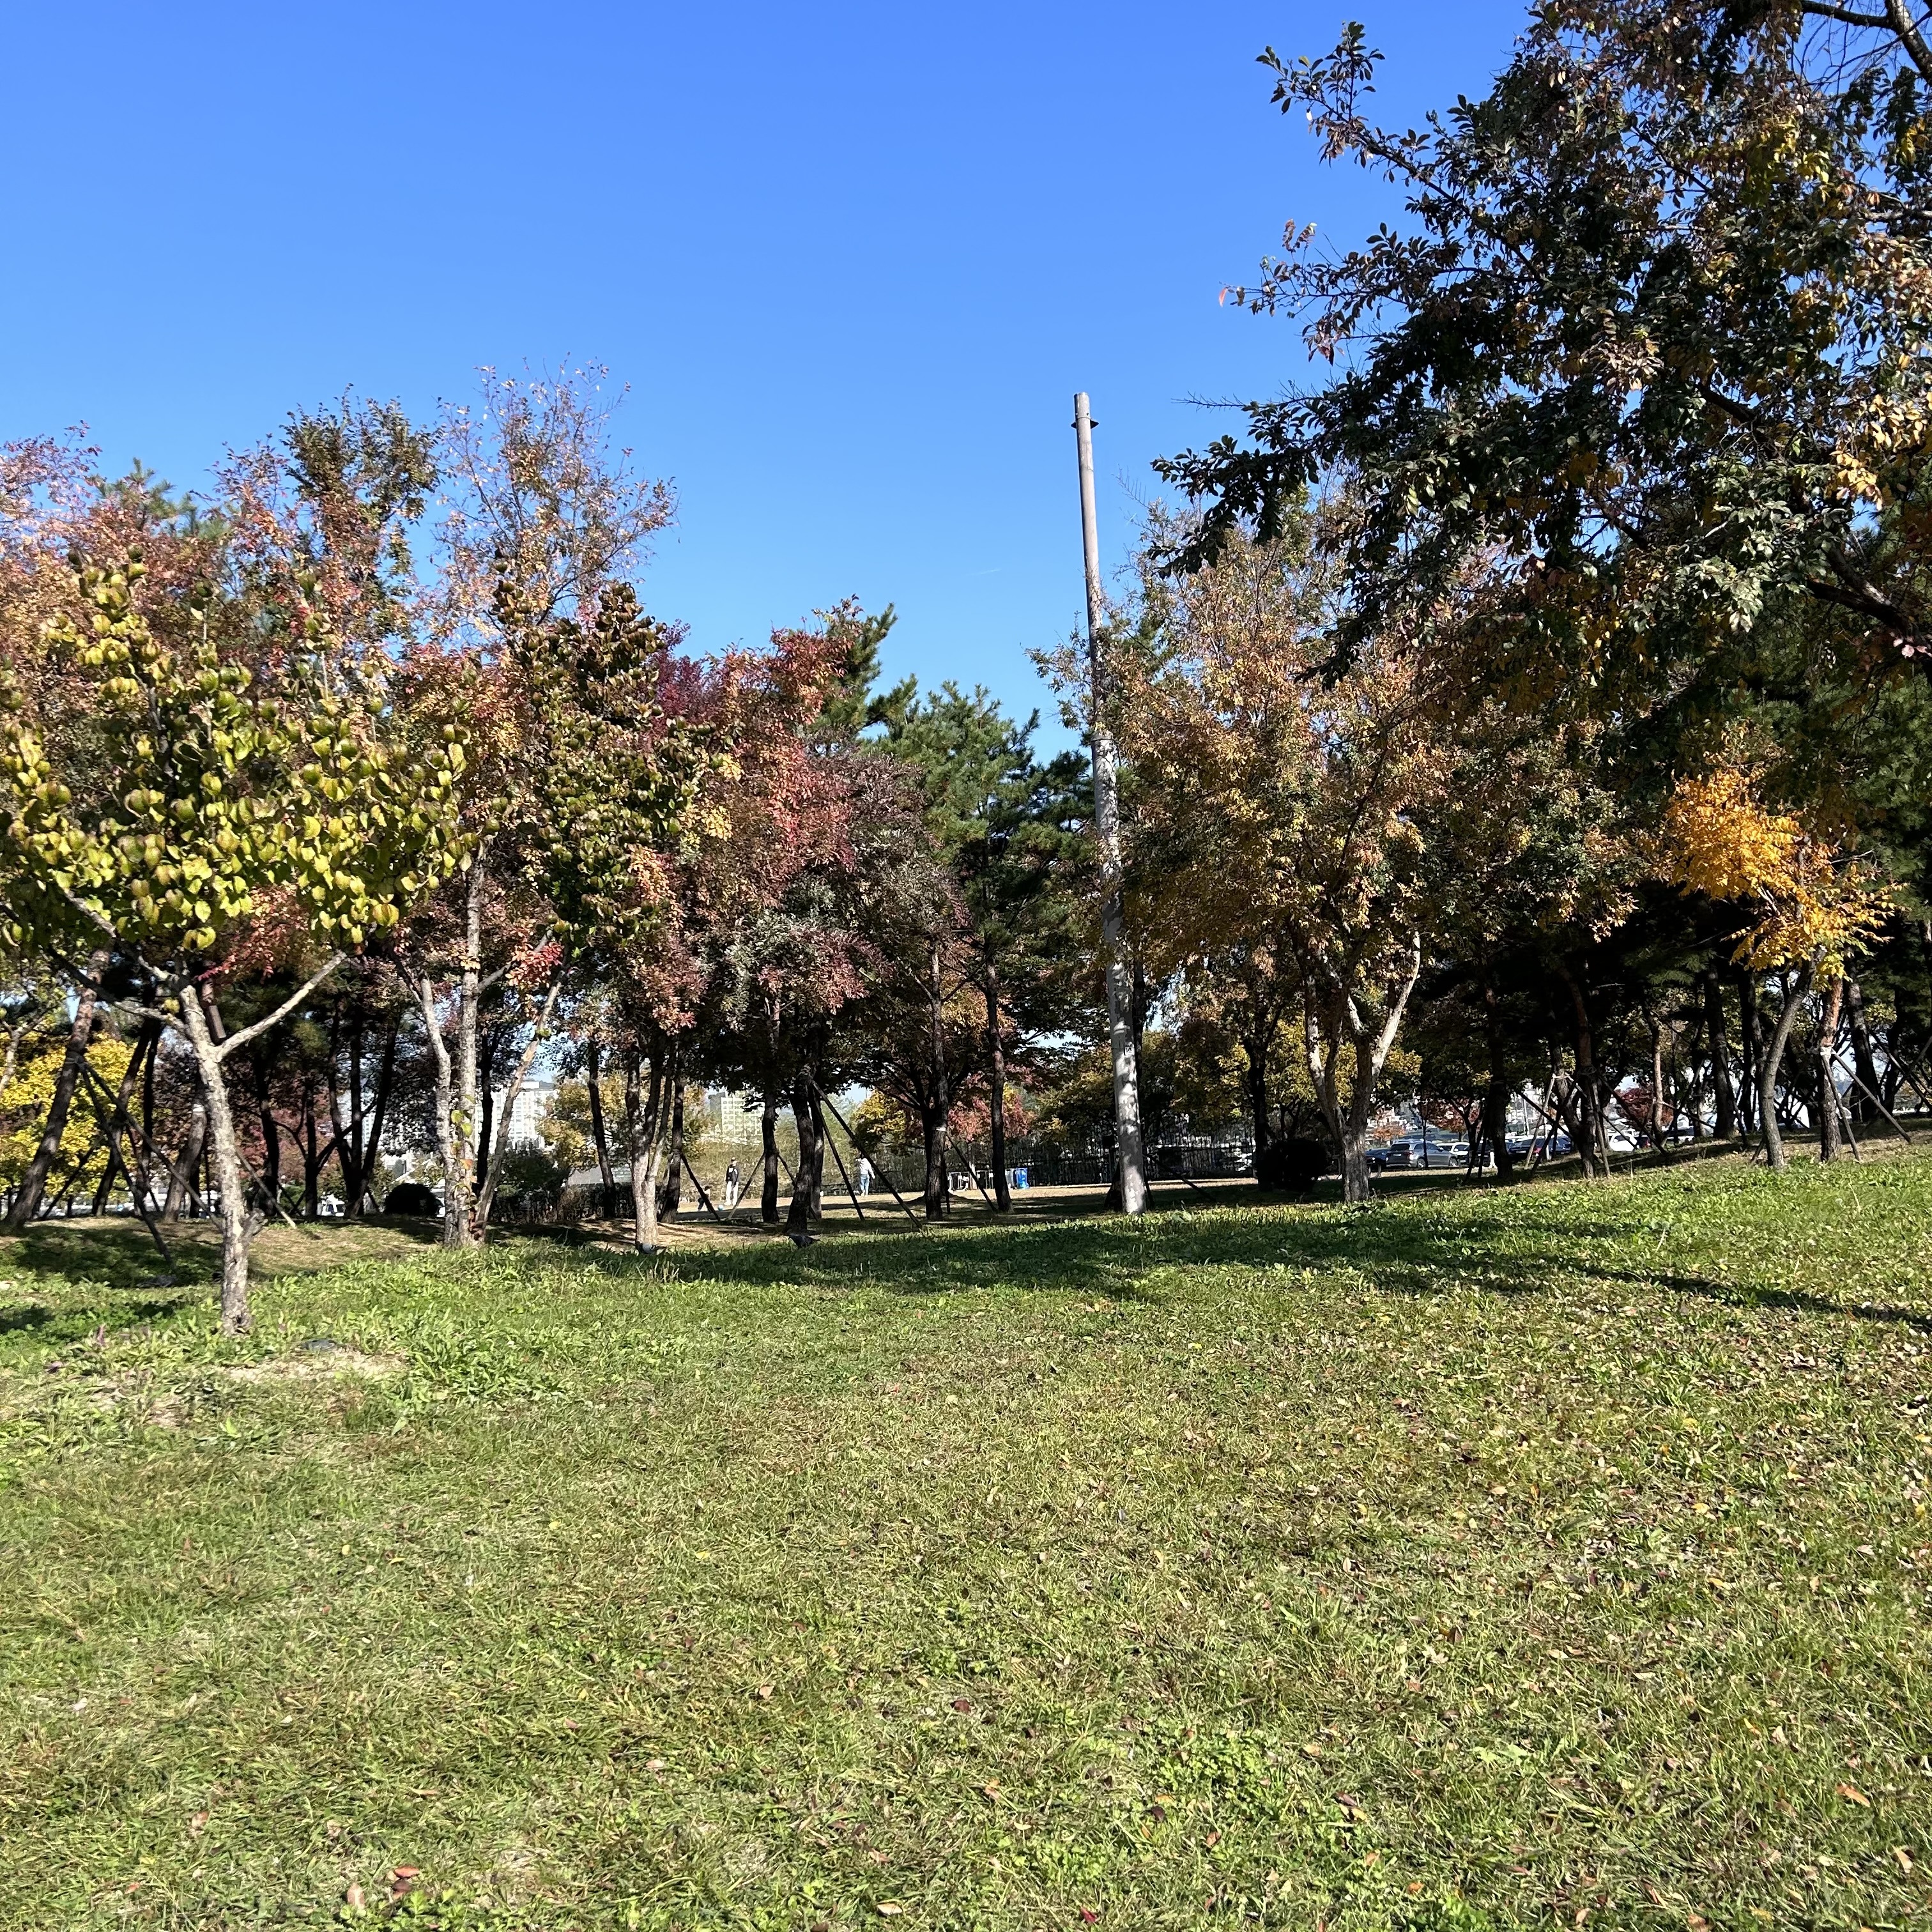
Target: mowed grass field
(1545, 1555)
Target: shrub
(1292, 1166)
(412, 1198)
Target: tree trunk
(644, 1106)
(148, 1113)
(1727, 1093)
(79, 1037)
(1356, 1185)
(480, 1213)
(670, 1191)
(1750, 1031)
(1496, 1094)
(1863, 1103)
(1326, 1029)
(1771, 1058)
(117, 1130)
(818, 1141)
(134, 1160)
(181, 1178)
(1656, 1084)
(313, 1157)
(1587, 1123)
(349, 1148)
(937, 1187)
(798, 1215)
(445, 1107)
(369, 1153)
(265, 1118)
(768, 1191)
(593, 1072)
(1830, 1136)
(996, 1091)
(459, 1188)
(1254, 1087)
(932, 1124)
(240, 1222)
(486, 1137)
(1693, 1079)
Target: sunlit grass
(1483, 1559)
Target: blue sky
(853, 261)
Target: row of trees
(1541, 698)
(1537, 706)
(331, 805)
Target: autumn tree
(537, 511)
(216, 805)
(613, 782)
(1287, 812)
(1651, 345)
(1808, 905)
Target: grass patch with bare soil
(1486, 1559)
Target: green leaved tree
(228, 804)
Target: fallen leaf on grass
(1903, 1857)
(888, 1908)
(1852, 1794)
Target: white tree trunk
(240, 1224)
(501, 1138)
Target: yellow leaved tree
(80, 1162)
(1811, 905)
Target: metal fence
(1052, 1167)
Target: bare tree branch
(281, 1013)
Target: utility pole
(1131, 1156)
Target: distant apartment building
(527, 1115)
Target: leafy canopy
(203, 795)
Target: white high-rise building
(527, 1116)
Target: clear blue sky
(852, 260)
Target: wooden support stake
(832, 1147)
(1875, 1100)
(699, 1186)
(886, 1177)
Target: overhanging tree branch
(281, 1013)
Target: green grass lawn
(1549, 1555)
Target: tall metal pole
(1131, 1155)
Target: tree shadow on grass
(1743, 1295)
(73, 1281)
(119, 1251)
(113, 1254)
(1415, 1253)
